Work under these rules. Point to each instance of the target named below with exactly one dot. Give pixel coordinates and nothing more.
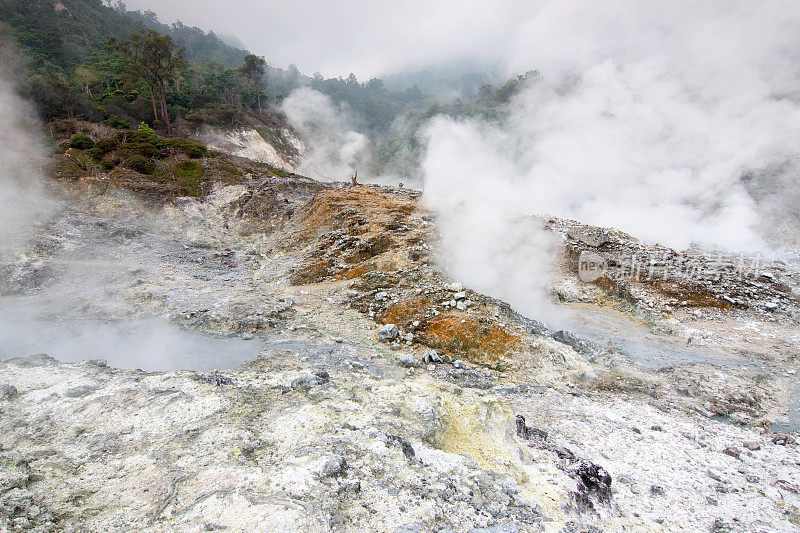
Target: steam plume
(660, 118)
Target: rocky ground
(386, 396)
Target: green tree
(85, 76)
(253, 71)
(153, 57)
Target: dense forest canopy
(88, 59)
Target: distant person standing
(354, 179)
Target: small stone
(388, 332)
(431, 368)
(752, 446)
(752, 479)
(381, 296)
(458, 363)
(431, 356)
(733, 451)
(576, 343)
(7, 392)
(335, 466)
(740, 418)
(655, 427)
(247, 336)
(460, 296)
(657, 490)
(721, 526)
(302, 383)
(406, 360)
(783, 439)
(454, 287)
(322, 376)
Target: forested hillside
(93, 60)
(70, 71)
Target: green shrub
(81, 142)
(144, 128)
(107, 144)
(130, 149)
(107, 165)
(115, 122)
(140, 164)
(189, 174)
(191, 148)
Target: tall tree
(153, 57)
(253, 71)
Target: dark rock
(405, 446)
(432, 356)
(388, 332)
(8, 392)
(721, 526)
(353, 488)
(335, 466)
(304, 383)
(593, 482)
(656, 490)
(215, 378)
(576, 343)
(656, 428)
(407, 360)
(528, 432)
(538, 328)
(783, 439)
(787, 486)
(476, 379)
(41, 359)
(733, 451)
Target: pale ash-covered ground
(332, 428)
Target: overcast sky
(368, 37)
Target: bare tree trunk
(258, 94)
(153, 97)
(164, 113)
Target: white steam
(335, 149)
(646, 117)
(21, 158)
(68, 303)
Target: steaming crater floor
(330, 427)
(152, 345)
